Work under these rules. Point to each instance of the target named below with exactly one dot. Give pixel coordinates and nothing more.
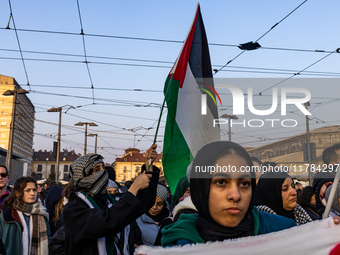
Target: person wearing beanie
(335, 209)
(150, 222)
(112, 187)
(94, 222)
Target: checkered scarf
(81, 174)
(300, 215)
(38, 213)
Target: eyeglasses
(4, 175)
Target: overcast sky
(141, 42)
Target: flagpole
(332, 195)
(159, 119)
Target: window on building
(37, 158)
(137, 169)
(137, 159)
(65, 154)
(38, 176)
(65, 168)
(3, 135)
(66, 178)
(124, 169)
(125, 159)
(52, 168)
(39, 168)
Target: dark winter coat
(84, 225)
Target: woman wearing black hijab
(276, 194)
(224, 199)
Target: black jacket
(84, 225)
(56, 246)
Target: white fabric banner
(317, 238)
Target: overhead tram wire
(84, 48)
(298, 73)
(256, 70)
(262, 36)
(281, 21)
(118, 102)
(164, 62)
(149, 129)
(106, 113)
(125, 129)
(17, 37)
(156, 40)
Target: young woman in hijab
(24, 224)
(112, 187)
(276, 194)
(335, 209)
(94, 222)
(149, 223)
(306, 199)
(224, 200)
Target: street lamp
(14, 93)
(92, 124)
(59, 109)
(233, 117)
(95, 144)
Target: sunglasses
(3, 175)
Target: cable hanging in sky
(17, 37)
(258, 46)
(84, 48)
(298, 73)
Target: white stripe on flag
(317, 238)
(197, 129)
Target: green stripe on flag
(176, 152)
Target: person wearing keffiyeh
(24, 224)
(276, 195)
(94, 222)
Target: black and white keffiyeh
(300, 215)
(81, 174)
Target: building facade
(24, 121)
(289, 152)
(129, 165)
(44, 164)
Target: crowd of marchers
(94, 214)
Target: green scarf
(186, 228)
(109, 240)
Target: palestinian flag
(187, 129)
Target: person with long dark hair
(24, 224)
(150, 222)
(306, 198)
